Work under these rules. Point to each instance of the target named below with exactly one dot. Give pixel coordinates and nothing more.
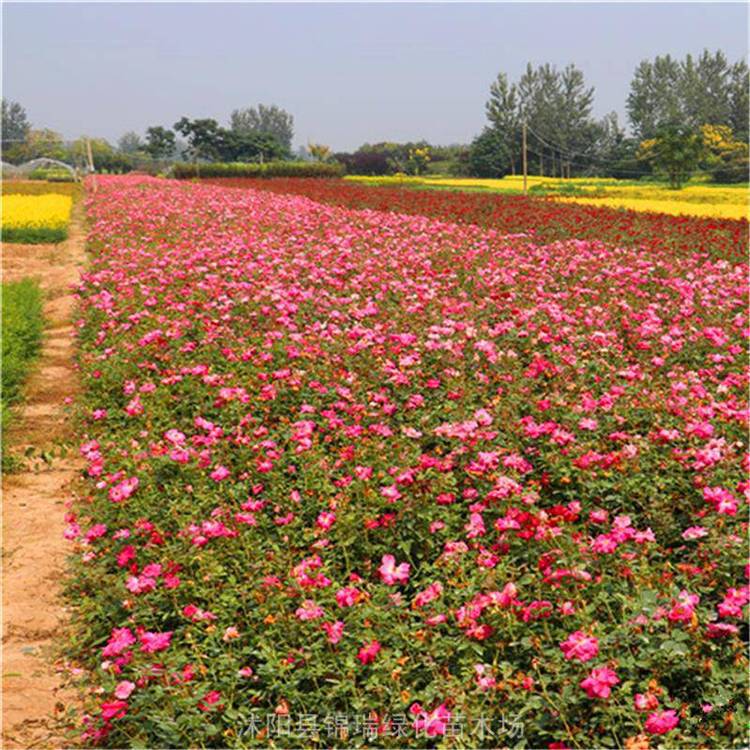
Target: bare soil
(34, 505)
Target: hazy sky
(348, 73)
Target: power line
(589, 166)
(602, 162)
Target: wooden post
(525, 162)
(91, 164)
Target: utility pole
(525, 162)
(89, 154)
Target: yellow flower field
(35, 218)
(721, 201)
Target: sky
(349, 73)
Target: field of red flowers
(368, 479)
(545, 220)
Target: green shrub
(34, 235)
(22, 325)
(270, 169)
(52, 175)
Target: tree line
(682, 115)
(259, 134)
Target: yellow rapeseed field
(723, 201)
(35, 218)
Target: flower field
(541, 219)
(721, 202)
(375, 478)
(35, 218)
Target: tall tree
(654, 100)
(557, 105)
(690, 93)
(265, 119)
(675, 152)
(130, 143)
(703, 87)
(504, 115)
(39, 144)
(160, 142)
(488, 156)
(206, 139)
(15, 125)
(739, 84)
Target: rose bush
(360, 464)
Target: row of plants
(251, 170)
(542, 219)
(39, 187)
(700, 199)
(370, 479)
(35, 218)
(22, 326)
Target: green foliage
(15, 126)
(488, 155)
(160, 142)
(733, 167)
(32, 235)
(22, 325)
(106, 158)
(556, 105)
(185, 171)
(688, 93)
(130, 143)
(51, 175)
(207, 140)
(264, 120)
(675, 152)
(726, 158)
(39, 144)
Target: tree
(206, 140)
(556, 107)
(488, 155)
(264, 119)
(259, 147)
(319, 152)
(106, 159)
(365, 162)
(160, 142)
(737, 88)
(703, 89)
(39, 144)
(418, 159)
(675, 152)
(15, 125)
(690, 93)
(130, 143)
(504, 115)
(725, 156)
(653, 101)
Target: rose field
(370, 467)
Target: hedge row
(34, 235)
(270, 169)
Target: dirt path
(34, 500)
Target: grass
(698, 198)
(22, 326)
